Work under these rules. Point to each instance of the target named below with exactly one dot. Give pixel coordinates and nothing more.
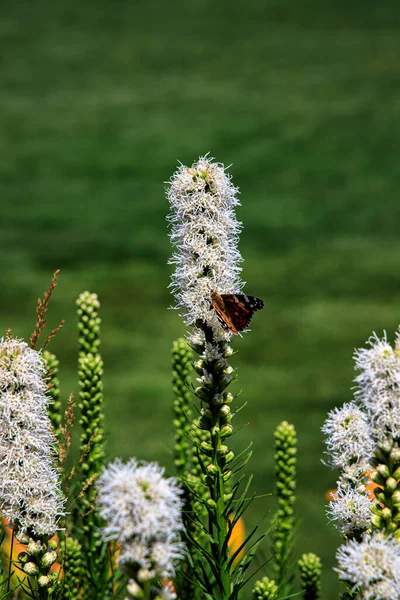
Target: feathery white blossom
(351, 510)
(379, 386)
(30, 494)
(373, 566)
(205, 233)
(142, 510)
(349, 436)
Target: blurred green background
(100, 99)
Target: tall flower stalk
(205, 236)
(90, 404)
(30, 495)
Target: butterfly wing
(235, 311)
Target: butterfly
(235, 310)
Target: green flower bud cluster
(73, 568)
(284, 520)
(215, 415)
(38, 559)
(265, 589)
(92, 416)
(90, 404)
(386, 511)
(310, 575)
(181, 366)
(89, 323)
(54, 410)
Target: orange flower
(237, 538)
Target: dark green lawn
(97, 104)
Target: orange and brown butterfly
(235, 310)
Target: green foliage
(310, 574)
(284, 520)
(265, 589)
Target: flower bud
(30, 568)
(199, 366)
(212, 469)
(226, 431)
(376, 521)
(391, 484)
(134, 589)
(386, 513)
(201, 393)
(207, 448)
(376, 508)
(228, 397)
(44, 581)
(23, 557)
(229, 457)
(383, 470)
(22, 537)
(49, 558)
(395, 454)
(34, 548)
(218, 399)
(224, 411)
(380, 495)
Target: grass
(100, 100)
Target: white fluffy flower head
(30, 494)
(142, 510)
(351, 510)
(372, 565)
(378, 385)
(205, 234)
(349, 437)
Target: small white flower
(372, 565)
(205, 234)
(351, 510)
(349, 436)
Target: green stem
(217, 469)
(10, 561)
